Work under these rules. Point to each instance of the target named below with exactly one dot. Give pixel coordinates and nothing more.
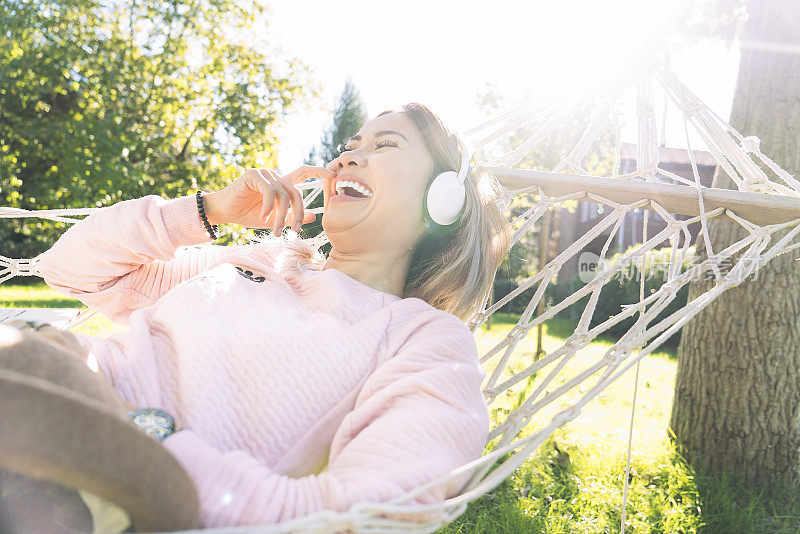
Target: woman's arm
(419, 416)
(122, 257)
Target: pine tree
(348, 118)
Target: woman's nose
(351, 158)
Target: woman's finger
(61, 338)
(308, 216)
(296, 199)
(265, 186)
(282, 202)
(57, 337)
(309, 171)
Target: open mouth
(351, 190)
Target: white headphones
(446, 194)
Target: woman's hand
(260, 198)
(62, 339)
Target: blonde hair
(452, 267)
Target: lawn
(573, 484)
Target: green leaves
(349, 117)
(102, 102)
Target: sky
(444, 54)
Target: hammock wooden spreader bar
(758, 208)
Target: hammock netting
(552, 388)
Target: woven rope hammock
(554, 387)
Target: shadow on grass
(730, 503)
(545, 488)
(553, 493)
(42, 303)
(563, 328)
(497, 511)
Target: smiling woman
(387, 239)
(299, 383)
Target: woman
(301, 383)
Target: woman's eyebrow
(380, 134)
(390, 132)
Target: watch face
(158, 424)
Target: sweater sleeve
(419, 416)
(122, 257)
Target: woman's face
(388, 156)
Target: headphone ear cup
(445, 198)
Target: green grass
(42, 296)
(574, 481)
(34, 296)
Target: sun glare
(583, 51)
(462, 56)
(587, 43)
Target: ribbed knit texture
(298, 390)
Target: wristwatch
(156, 423)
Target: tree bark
(737, 391)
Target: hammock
(766, 207)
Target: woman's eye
(380, 144)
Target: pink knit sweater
(299, 390)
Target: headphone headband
(446, 195)
(466, 154)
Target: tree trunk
(737, 391)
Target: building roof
(679, 156)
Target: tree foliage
(713, 19)
(349, 117)
(107, 101)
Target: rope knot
(350, 524)
(477, 319)
(568, 166)
(518, 418)
(612, 356)
(570, 413)
(692, 107)
(671, 286)
(22, 267)
(757, 179)
(751, 144)
(581, 339)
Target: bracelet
(212, 230)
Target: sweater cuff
(191, 451)
(182, 221)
